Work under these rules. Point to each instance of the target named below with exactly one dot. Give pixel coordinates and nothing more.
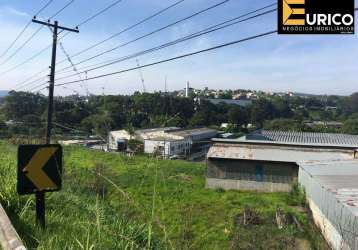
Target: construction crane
(141, 75)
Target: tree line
(23, 112)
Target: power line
(153, 32)
(30, 83)
(24, 29)
(99, 13)
(31, 37)
(21, 47)
(34, 34)
(30, 78)
(107, 39)
(68, 128)
(62, 9)
(27, 60)
(211, 29)
(67, 33)
(39, 85)
(177, 57)
(125, 30)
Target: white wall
(171, 147)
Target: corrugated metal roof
(193, 132)
(151, 130)
(337, 177)
(304, 138)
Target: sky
(300, 63)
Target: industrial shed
(332, 194)
(270, 165)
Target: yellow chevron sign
(35, 172)
(39, 168)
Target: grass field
(110, 201)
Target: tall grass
(111, 201)
(77, 218)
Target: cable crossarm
(107, 39)
(153, 32)
(177, 57)
(208, 30)
(24, 29)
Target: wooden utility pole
(40, 196)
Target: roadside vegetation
(110, 201)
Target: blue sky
(312, 64)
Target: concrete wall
(9, 239)
(228, 184)
(251, 175)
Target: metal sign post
(34, 171)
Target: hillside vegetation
(111, 201)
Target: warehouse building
(117, 140)
(267, 160)
(332, 194)
(180, 142)
(168, 142)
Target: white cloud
(7, 10)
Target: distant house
(117, 140)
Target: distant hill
(3, 93)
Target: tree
(199, 119)
(32, 121)
(262, 110)
(282, 108)
(238, 115)
(350, 126)
(19, 104)
(284, 124)
(99, 124)
(3, 127)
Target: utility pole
(40, 196)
